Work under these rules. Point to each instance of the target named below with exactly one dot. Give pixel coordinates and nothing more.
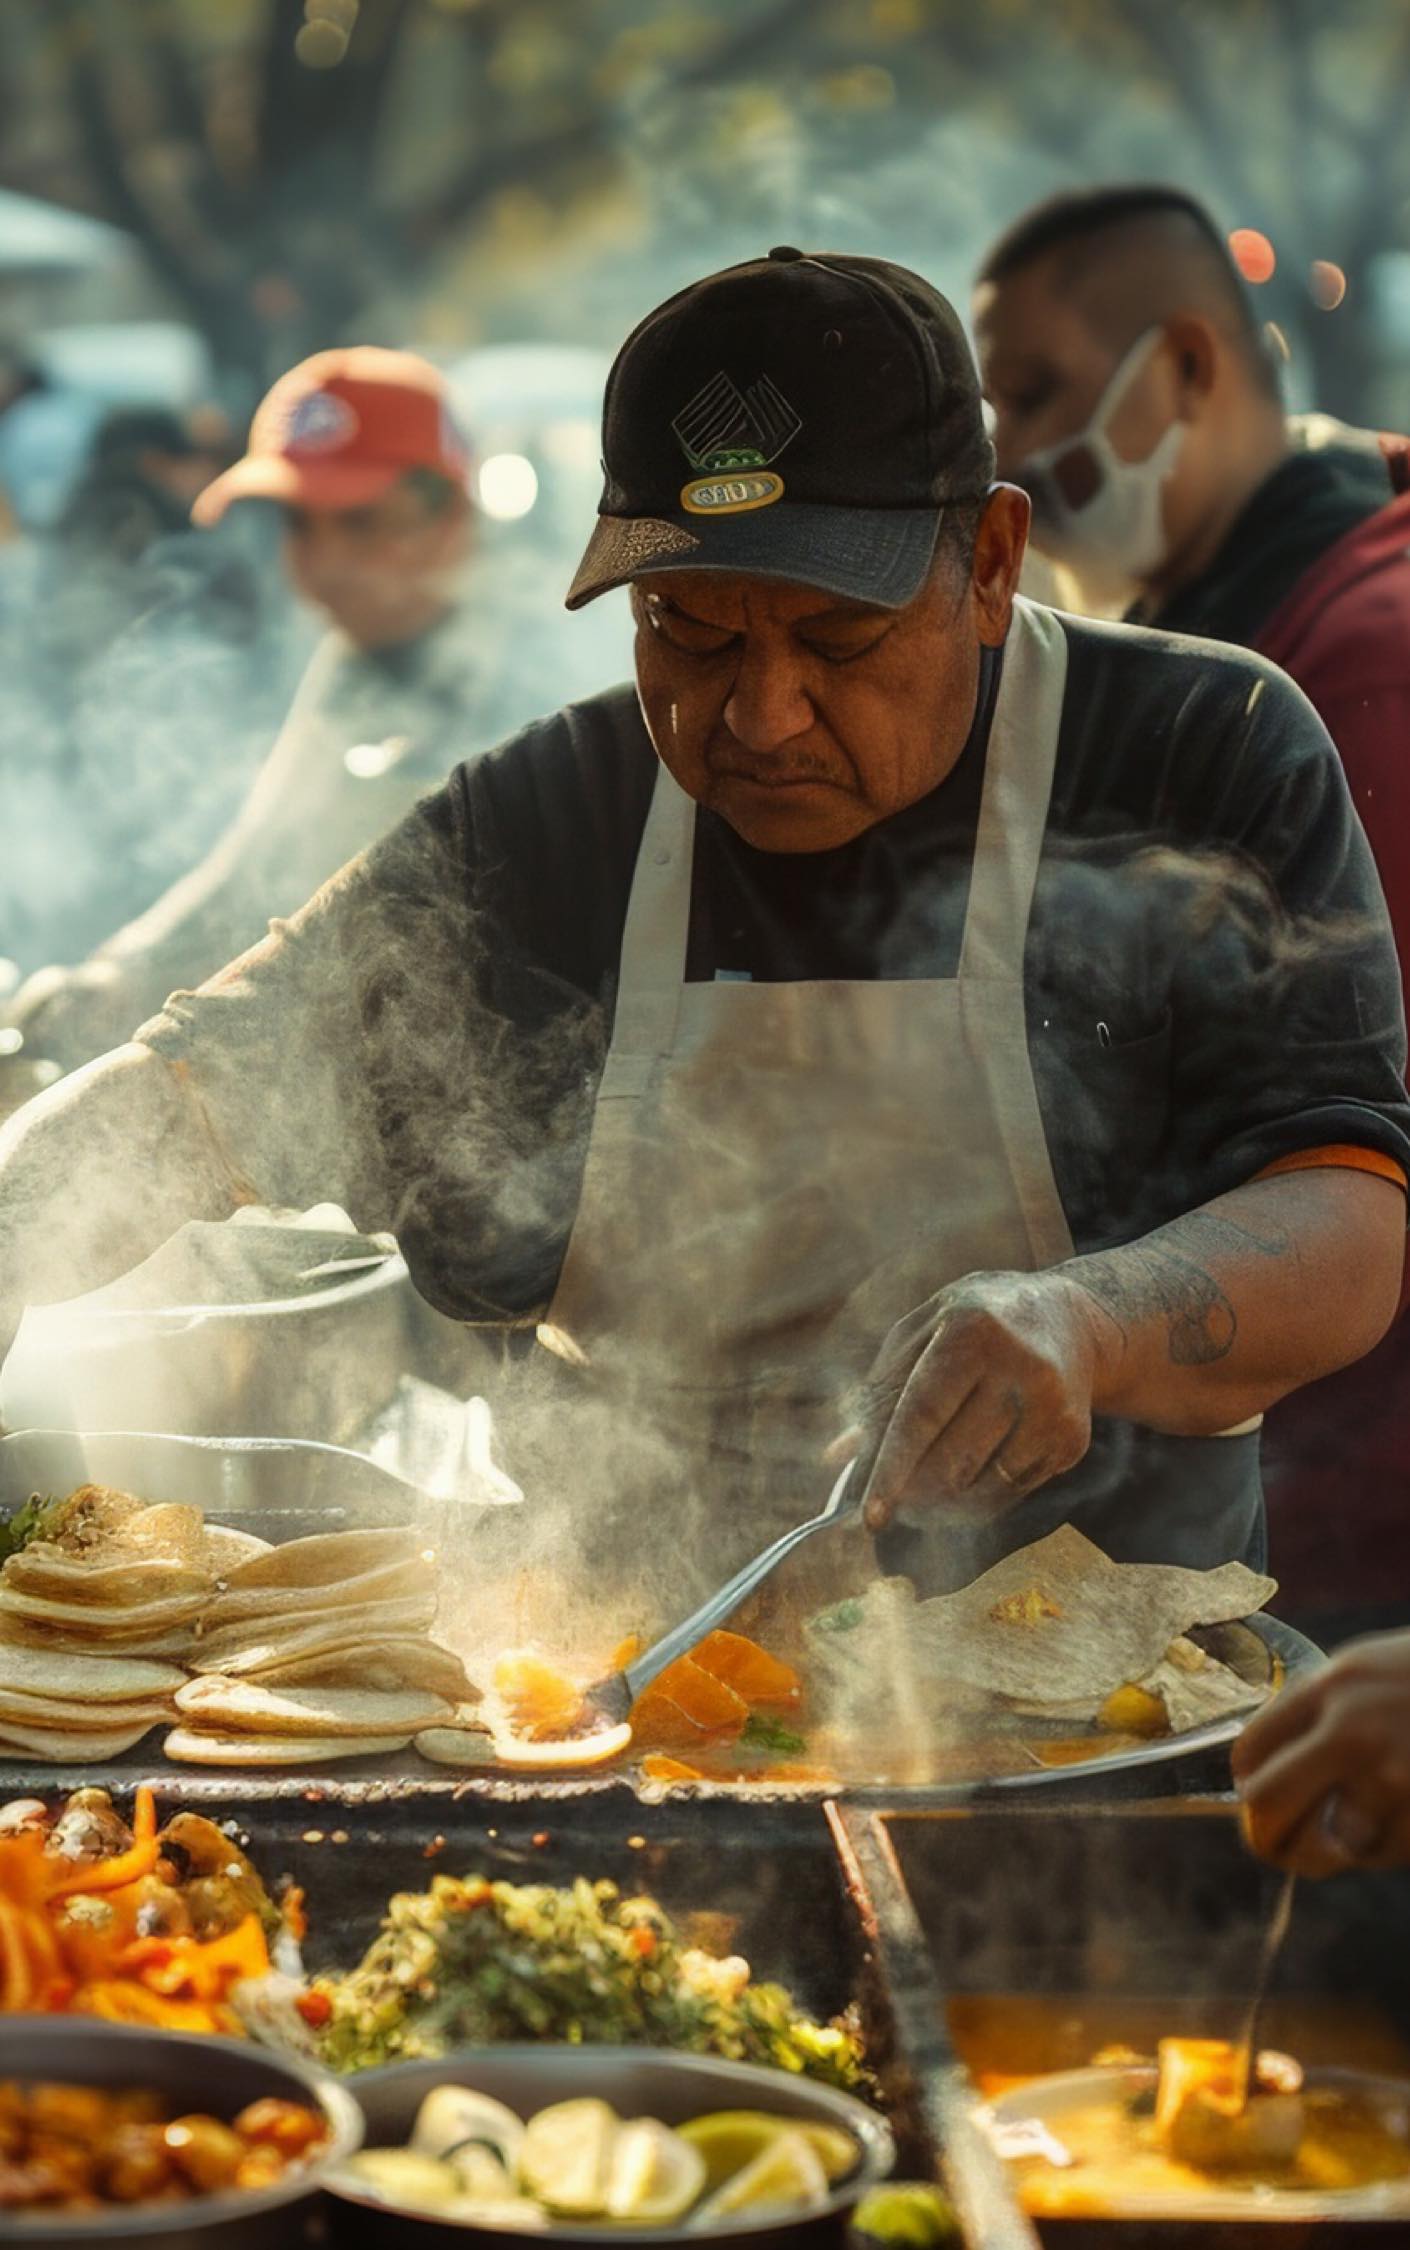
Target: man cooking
(906, 1003)
(1135, 398)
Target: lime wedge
(786, 2176)
(404, 2177)
(655, 2176)
(500, 2214)
(452, 2118)
(909, 2215)
(565, 2158)
(480, 2174)
(728, 2139)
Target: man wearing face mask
(886, 1006)
(1134, 398)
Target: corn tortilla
(190, 1746)
(249, 1604)
(327, 1558)
(60, 1746)
(252, 1644)
(243, 1706)
(89, 1679)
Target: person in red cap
(360, 450)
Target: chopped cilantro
(25, 1524)
(472, 1961)
(843, 1617)
(766, 1734)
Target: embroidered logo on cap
(320, 423)
(731, 436)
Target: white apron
(778, 1172)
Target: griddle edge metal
(939, 2084)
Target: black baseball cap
(797, 417)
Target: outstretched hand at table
(1324, 1771)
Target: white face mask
(1117, 526)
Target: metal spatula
(615, 1695)
(1272, 1946)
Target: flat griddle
(282, 1489)
(1260, 1647)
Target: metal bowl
(1045, 2102)
(638, 2082)
(243, 1343)
(215, 2076)
(279, 1488)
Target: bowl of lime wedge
(600, 2145)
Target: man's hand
(982, 1395)
(989, 1390)
(1324, 1772)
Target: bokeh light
(507, 486)
(1253, 254)
(368, 761)
(1326, 284)
(321, 45)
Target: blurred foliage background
(448, 173)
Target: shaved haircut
(1134, 257)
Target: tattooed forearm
(1215, 1316)
(1214, 1233)
(1164, 1277)
(1147, 1282)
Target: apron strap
(1013, 820)
(654, 940)
(1018, 787)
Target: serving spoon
(614, 1696)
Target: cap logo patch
(320, 423)
(729, 436)
(731, 496)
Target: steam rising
(136, 704)
(373, 1063)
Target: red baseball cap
(340, 429)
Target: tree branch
(1169, 45)
(106, 156)
(484, 174)
(169, 66)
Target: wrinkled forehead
(719, 596)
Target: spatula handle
(682, 1638)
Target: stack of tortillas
(316, 1650)
(96, 1616)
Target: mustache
(730, 758)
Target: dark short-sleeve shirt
(1211, 984)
